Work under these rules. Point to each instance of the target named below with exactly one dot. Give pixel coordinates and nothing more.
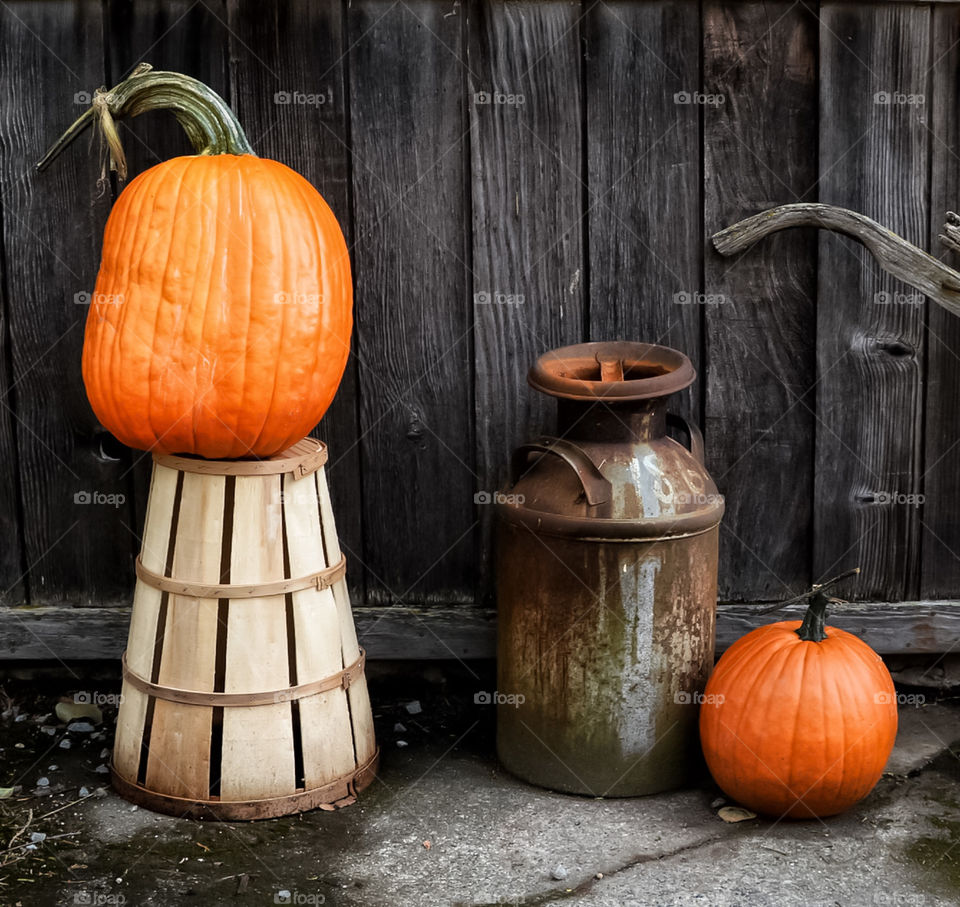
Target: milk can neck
(637, 420)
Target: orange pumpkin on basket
(800, 718)
(220, 324)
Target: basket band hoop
(342, 679)
(322, 579)
(342, 791)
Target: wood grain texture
(141, 644)
(179, 762)
(258, 754)
(467, 632)
(13, 589)
(870, 347)
(52, 223)
(361, 716)
(325, 731)
(528, 226)
(583, 200)
(294, 52)
(890, 629)
(643, 178)
(760, 331)
(899, 258)
(12, 565)
(412, 331)
(940, 478)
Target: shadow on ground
(444, 825)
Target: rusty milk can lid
(617, 371)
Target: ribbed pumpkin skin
(799, 721)
(221, 320)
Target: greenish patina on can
(606, 581)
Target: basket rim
(301, 459)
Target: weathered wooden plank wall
(74, 551)
(874, 157)
(513, 176)
(413, 326)
(760, 151)
(526, 113)
(940, 478)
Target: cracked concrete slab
(494, 838)
(869, 856)
(444, 825)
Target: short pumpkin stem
(210, 124)
(814, 626)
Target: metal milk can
(607, 579)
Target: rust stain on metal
(606, 609)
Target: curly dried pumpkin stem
(210, 124)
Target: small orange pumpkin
(799, 718)
(220, 324)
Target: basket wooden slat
(324, 719)
(179, 762)
(258, 754)
(268, 753)
(141, 643)
(357, 695)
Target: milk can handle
(596, 488)
(693, 433)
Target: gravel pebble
(80, 727)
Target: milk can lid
(615, 371)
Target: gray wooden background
(513, 177)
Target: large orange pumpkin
(220, 324)
(798, 718)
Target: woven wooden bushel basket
(244, 695)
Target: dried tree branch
(893, 253)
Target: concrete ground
(444, 825)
